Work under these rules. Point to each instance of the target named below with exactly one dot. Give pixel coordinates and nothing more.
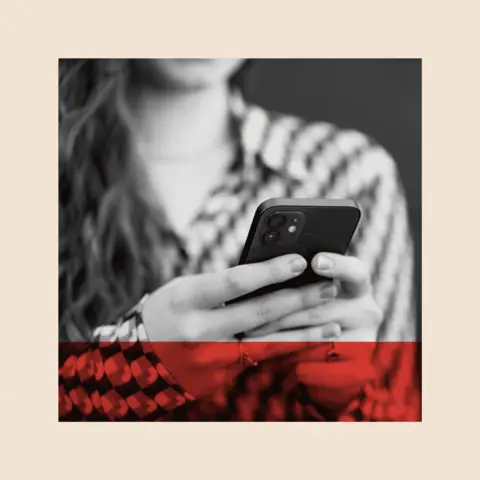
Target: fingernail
(298, 264)
(332, 330)
(328, 291)
(324, 262)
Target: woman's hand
(195, 339)
(355, 315)
(334, 384)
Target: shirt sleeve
(116, 377)
(386, 246)
(383, 241)
(394, 394)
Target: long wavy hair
(110, 233)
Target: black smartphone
(303, 226)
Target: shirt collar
(253, 125)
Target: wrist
(146, 320)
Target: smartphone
(303, 226)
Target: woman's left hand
(333, 384)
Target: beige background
(32, 37)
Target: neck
(175, 124)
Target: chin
(187, 74)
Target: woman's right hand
(195, 338)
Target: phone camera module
(277, 221)
(271, 237)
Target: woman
(162, 165)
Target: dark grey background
(379, 97)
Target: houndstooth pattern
(280, 156)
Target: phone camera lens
(271, 237)
(277, 221)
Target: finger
(322, 333)
(213, 289)
(352, 272)
(348, 313)
(334, 385)
(284, 343)
(334, 375)
(251, 314)
(299, 318)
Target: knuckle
(264, 312)
(313, 315)
(276, 272)
(302, 299)
(287, 301)
(234, 285)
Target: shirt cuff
(132, 366)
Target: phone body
(302, 226)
